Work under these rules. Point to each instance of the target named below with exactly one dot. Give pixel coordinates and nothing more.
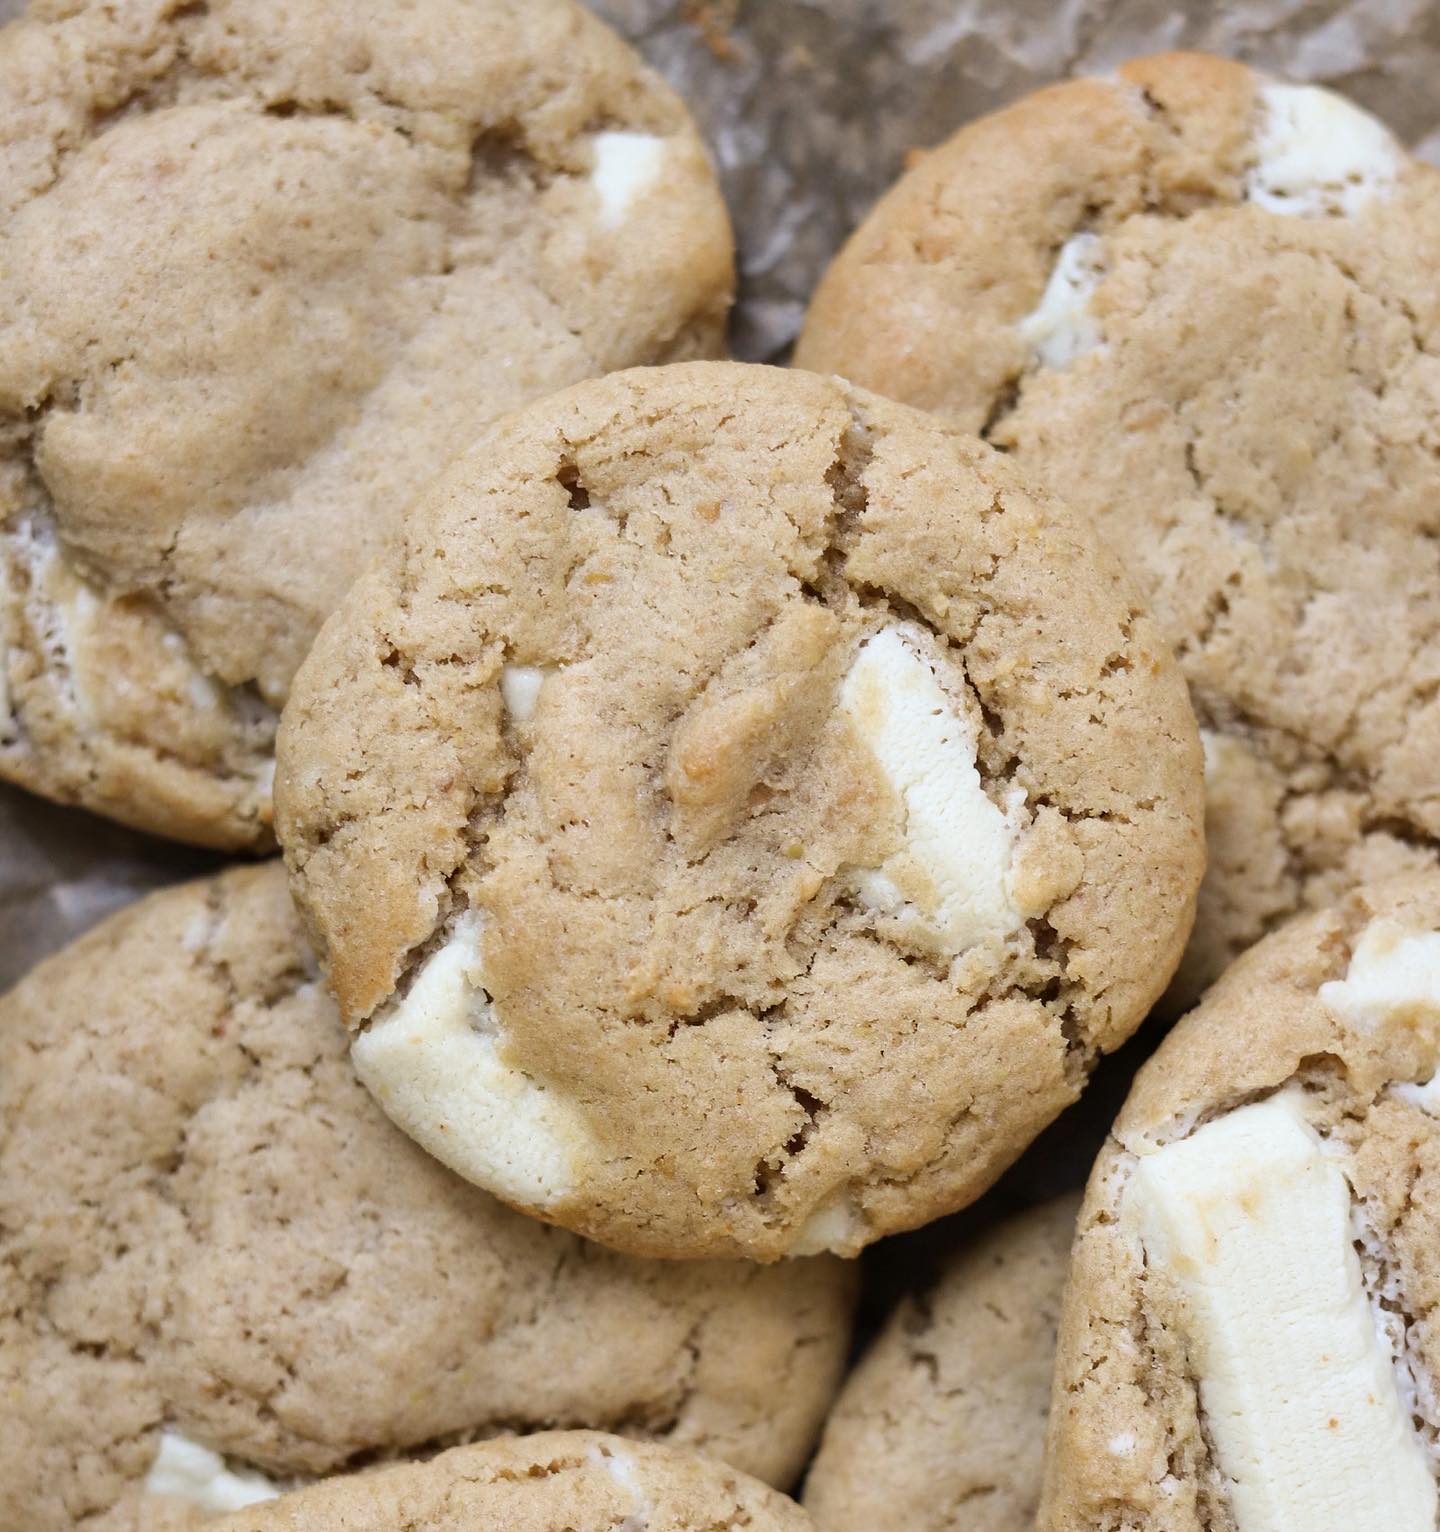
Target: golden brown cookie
(1201, 303)
(942, 1425)
(739, 815)
(264, 268)
(558, 1481)
(223, 1270)
(1248, 1341)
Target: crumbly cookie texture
(267, 267)
(850, 808)
(557, 1481)
(1248, 1340)
(224, 1272)
(1201, 304)
(941, 1428)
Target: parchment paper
(810, 107)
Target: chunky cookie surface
(739, 814)
(1200, 303)
(265, 268)
(1248, 1340)
(941, 1428)
(224, 1272)
(557, 1481)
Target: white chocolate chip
(184, 1470)
(1061, 327)
(621, 1467)
(951, 878)
(1249, 1222)
(520, 688)
(625, 165)
(435, 1063)
(1121, 1446)
(265, 778)
(835, 1225)
(76, 610)
(7, 702)
(1425, 1095)
(1224, 755)
(1317, 154)
(1393, 977)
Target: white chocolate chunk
(1394, 977)
(953, 873)
(625, 164)
(435, 1063)
(1317, 153)
(520, 688)
(1251, 1224)
(187, 1471)
(1061, 327)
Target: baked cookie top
(739, 814)
(265, 268)
(223, 1270)
(1202, 304)
(558, 1481)
(941, 1428)
(1249, 1339)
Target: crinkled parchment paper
(810, 107)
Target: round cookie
(222, 1268)
(1248, 1340)
(1202, 304)
(266, 267)
(738, 815)
(558, 1481)
(941, 1428)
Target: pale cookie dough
(558, 1481)
(264, 267)
(1202, 304)
(941, 1427)
(739, 814)
(1249, 1340)
(223, 1272)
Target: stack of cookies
(727, 812)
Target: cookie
(558, 1481)
(223, 1271)
(739, 814)
(266, 267)
(941, 1428)
(1248, 1340)
(1201, 303)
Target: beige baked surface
(266, 267)
(558, 1481)
(672, 941)
(941, 1428)
(206, 1224)
(1257, 435)
(1120, 1369)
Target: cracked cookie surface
(557, 1481)
(1317, 1051)
(738, 815)
(941, 1428)
(1200, 303)
(222, 1270)
(265, 268)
